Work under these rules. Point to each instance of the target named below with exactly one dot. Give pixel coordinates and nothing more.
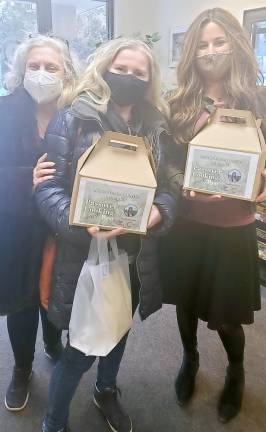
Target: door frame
(250, 17)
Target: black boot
(53, 352)
(185, 381)
(231, 397)
(108, 403)
(17, 394)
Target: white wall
(132, 16)
(162, 15)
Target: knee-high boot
(230, 401)
(185, 381)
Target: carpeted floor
(146, 378)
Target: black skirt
(212, 271)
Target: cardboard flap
(233, 116)
(262, 141)
(116, 163)
(258, 123)
(230, 133)
(261, 137)
(86, 154)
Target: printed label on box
(221, 171)
(110, 204)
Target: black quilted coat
(68, 136)
(22, 229)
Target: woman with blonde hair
(213, 246)
(42, 73)
(120, 91)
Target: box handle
(123, 145)
(232, 119)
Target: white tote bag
(102, 308)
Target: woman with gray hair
(40, 78)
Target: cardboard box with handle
(227, 156)
(115, 184)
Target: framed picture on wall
(175, 44)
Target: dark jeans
(73, 363)
(22, 329)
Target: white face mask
(43, 86)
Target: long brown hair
(240, 84)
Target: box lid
(233, 130)
(119, 158)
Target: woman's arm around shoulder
(53, 196)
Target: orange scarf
(46, 273)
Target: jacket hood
(82, 108)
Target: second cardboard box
(227, 156)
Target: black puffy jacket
(65, 146)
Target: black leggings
(233, 339)
(22, 329)
(232, 336)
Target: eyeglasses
(50, 35)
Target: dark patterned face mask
(126, 89)
(214, 66)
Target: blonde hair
(95, 87)
(240, 85)
(14, 78)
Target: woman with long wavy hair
(215, 276)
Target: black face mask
(126, 89)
